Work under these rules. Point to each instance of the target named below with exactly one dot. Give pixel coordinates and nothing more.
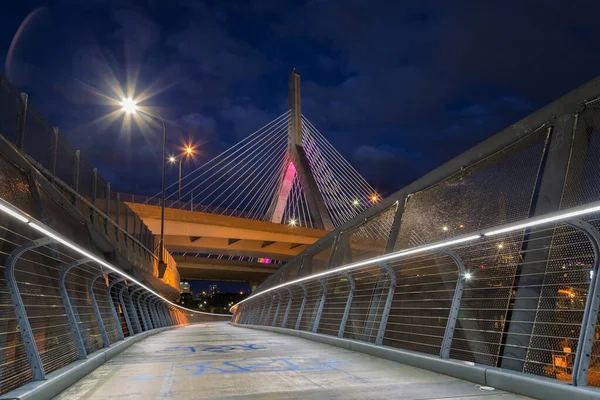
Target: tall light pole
(130, 107)
(188, 152)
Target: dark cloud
(398, 87)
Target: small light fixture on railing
(468, 276)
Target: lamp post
(130, 107)
(188, 152)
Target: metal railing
(481, 297)
(63, 301)
(49, 151)
(523, 301)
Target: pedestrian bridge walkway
(217, 360)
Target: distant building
(213, 290)
(184, 287)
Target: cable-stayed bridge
(482, 274)
(262, 201)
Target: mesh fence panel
(9, 104)
(65, 161)
(479, 196)
(425, 286)
(39, 137)
(367, 240)
(318, 260)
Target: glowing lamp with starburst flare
(129, 105)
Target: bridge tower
(298, 165)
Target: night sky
(397, 86)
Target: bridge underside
(198, 268)
(197, 232)
(220, 361)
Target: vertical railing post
(287, 308)
(387, 306)
(527, 286)
(22, 118)
(301, 311)
(92, 295)
(54, 154)
(455, 307)
(319, 310)
(76, 163)
(277, 311)
(71, 316)
(587, 334)
(260, 318)
(144, 306)
(94, 194)
(125, 308)
(141, 310)
(348, 305)
(135, 310)
(31, 350)
(378, 297)
(266, 320)
(113, 309)
(107, 210)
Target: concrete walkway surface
(220, 361)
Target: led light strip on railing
(516, 226)
(21, 216)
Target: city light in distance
(500, 245)
(355, 202)
(468, 275)
(172, 159)
(374, 198)
(445, 228)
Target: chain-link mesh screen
(425, 286)
(39, 137)
(562, 298)
(9, 106)
(486, 297)
(367, 240)
(479, 196)
(319, 260)
(65, 161)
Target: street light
(130, 107)
(188, 152)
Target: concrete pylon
(298, 164)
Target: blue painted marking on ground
(256, 365)
(226, 348)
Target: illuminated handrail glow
(511, 227)
(23, 217)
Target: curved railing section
(62, 302)
(481, 297)
(519, 293)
